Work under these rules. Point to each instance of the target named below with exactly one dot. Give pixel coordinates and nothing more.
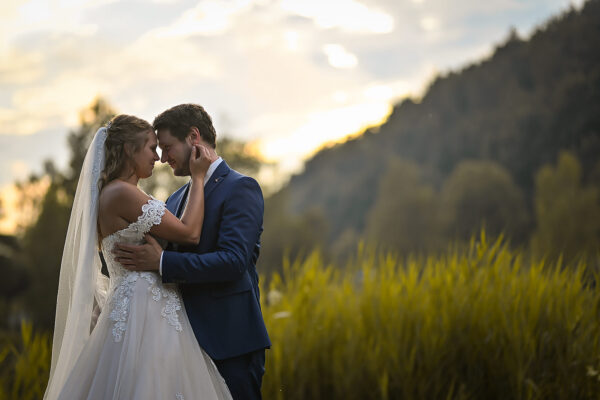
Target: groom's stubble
(184, 170)
(175, 152)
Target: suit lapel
(181, 201)
(175, 206)
(216, 178)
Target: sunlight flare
(323, 127)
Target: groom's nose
(163, 157)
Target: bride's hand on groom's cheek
(144, 257)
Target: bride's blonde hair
(124, 134)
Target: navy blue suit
(218, 278)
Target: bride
(141, 345)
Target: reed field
(479, 324)
(476, 324)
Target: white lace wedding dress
(142, 346)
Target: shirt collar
(211, 169)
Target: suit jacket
(218, 278)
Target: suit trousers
(243, 374)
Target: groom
(217, 278)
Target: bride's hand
(199, 161)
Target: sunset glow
(287, 76)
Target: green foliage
(482, 324)
(238, 155)
(568, 212)
(288, 235)
(24, 365)
(43, 245)
(519, 108)
(15, 278)
(405, 215)
(483, 193)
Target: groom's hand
(144, 257)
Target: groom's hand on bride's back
(143, 257)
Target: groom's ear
(194, 136)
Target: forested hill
(519, 108)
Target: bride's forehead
(151, 137)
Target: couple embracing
(179, 318)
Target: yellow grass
(480, 324)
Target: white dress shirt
(211, 169)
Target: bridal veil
(80, 281)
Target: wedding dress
(142, 346)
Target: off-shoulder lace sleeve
(152, 213)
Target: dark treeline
(481, 149)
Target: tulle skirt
(137, 350)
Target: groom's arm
(239, 231)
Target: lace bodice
(152, 213)
(123, 282)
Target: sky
(284, 75)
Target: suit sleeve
(239, 232)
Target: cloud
(20, 18)
(284, 70)
(14, 121)
(49, 88)
(292, 40)
(23, 67)
(429, 23)
(209, 17)
(50, 105)
(346, 15)
(338, 57)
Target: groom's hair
(180, 119)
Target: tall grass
(477, 325)
(481, 324)
(24, 365)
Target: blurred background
(410, 129)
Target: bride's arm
(188, 229)
(130, 200)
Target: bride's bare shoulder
(120, 193)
